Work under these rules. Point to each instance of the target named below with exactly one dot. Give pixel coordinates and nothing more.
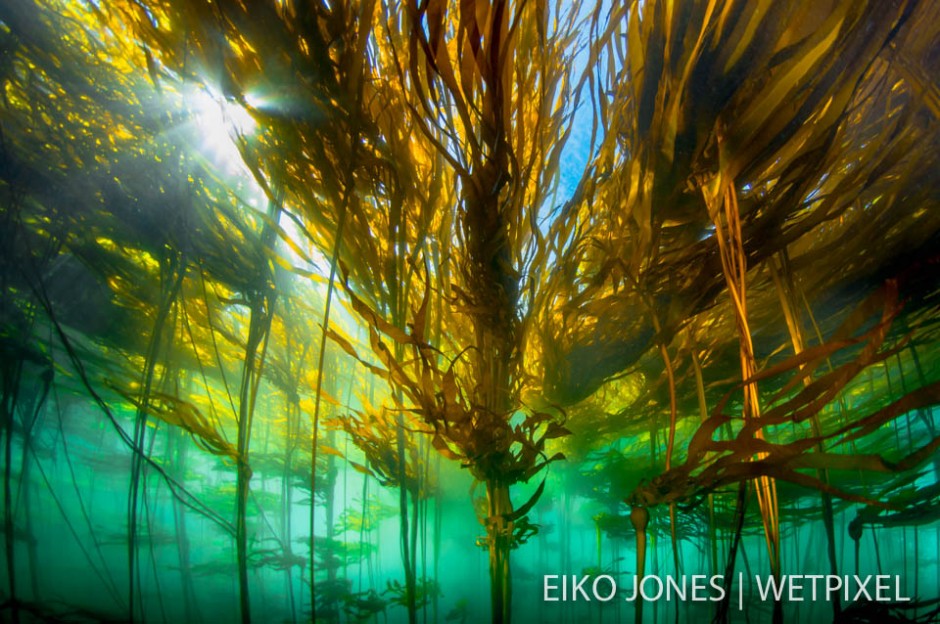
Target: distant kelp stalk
(258, 258)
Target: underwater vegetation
(478, 310)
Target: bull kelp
(456, 311)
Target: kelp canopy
(278, 274)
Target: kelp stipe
(443, 311)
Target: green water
(71, 544)
(459, 311)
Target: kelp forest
(457, 311)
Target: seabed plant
(431, 311)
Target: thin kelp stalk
(600, 561)
(671, 440)
(18, 359)
(843, 408)
(654, 567)
(785, 292)
(415, 525)
(11, 371)
(258, 328)
(103, 572)
(16, 353)
(175, 487)
(147, 505)
(671, 378)
(406, 540)
(318, 390)
(424, 501)
(293, 413)
(640, 518)
(439, 253)
(916, 591)
(499, 529)
(925, 414)
(261, 310)
(408, 520)
(438, 533)
(13, 354)
(365, 520)
(292, 442)
(34, 410)
(172, 272)
(399, 295)
(703, 414)
(346, 196)
(896, 427)
(292, 405)
(721, 199)
(187, 586)
(721, 614)
(910, 439)
(886, 366)
(327, 492)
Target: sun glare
(219, 122)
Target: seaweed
(478, 291)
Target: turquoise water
(466, 311)
(71, 546)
